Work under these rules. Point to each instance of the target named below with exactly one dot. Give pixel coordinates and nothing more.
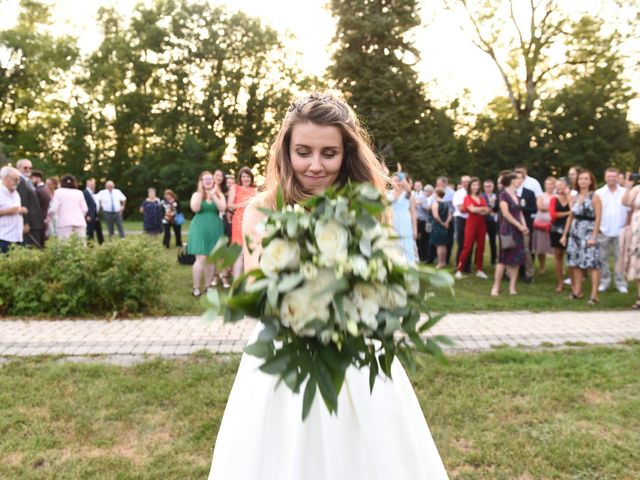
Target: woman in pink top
(69, 209)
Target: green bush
(70, 279)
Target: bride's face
(316, 154)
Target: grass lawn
(471, 294)
(506, 414)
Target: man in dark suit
(94, 227)
(529, 209)
(42, 192)
(34, 221)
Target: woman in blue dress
(153, 213)
(405, 221)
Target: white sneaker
(623, 289)
(602, 288)
(458, 275)
(567, 281)
(482, 275)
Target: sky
(451, 66)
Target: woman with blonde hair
(376, 435)
(206, 228)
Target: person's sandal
(592, 301)
(196, 292)
(636, 306)
(573, 296)
(225, 282)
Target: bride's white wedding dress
(379, 436)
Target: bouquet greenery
(333, 290)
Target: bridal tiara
(314, 97)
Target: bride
(381, 435)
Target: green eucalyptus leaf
(289, 282)
(259, 349)
(309, 395)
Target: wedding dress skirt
(379, 436)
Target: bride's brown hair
(359, 163)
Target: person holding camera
(631, 199)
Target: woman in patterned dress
(580, 237)
(512, 225)
(631, 199)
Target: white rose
(278, 256)
(393, 296)
(309, 271)
(333, 241)
(302, 306)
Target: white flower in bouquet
(332, 240)
(359, 266)
(308, 303)
(392, 296)
(309, 271)
(392, 252)
(278, 256)
(412, 282)
(377, 270)
(300, 307)
(366, 299)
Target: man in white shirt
(529, 182)
(614, 218)
(460, 219)
(112, 202)
(11, 209)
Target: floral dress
(579, 254)
(511, 256)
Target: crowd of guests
(582, 226)
(34, 209)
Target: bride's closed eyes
(305, 152)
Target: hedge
(69, 279)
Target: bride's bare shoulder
(253, 212)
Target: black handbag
(185, 258)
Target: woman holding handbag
(541, 241)
(512, 229)
(173, 219)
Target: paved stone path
(175, 336)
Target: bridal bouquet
(333, 290)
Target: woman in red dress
(475, 228)
(239, 196)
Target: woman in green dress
(206, 228)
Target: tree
(585, 122)
(184, 87)
(373, 66)
(522, 43)
(33, 66)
